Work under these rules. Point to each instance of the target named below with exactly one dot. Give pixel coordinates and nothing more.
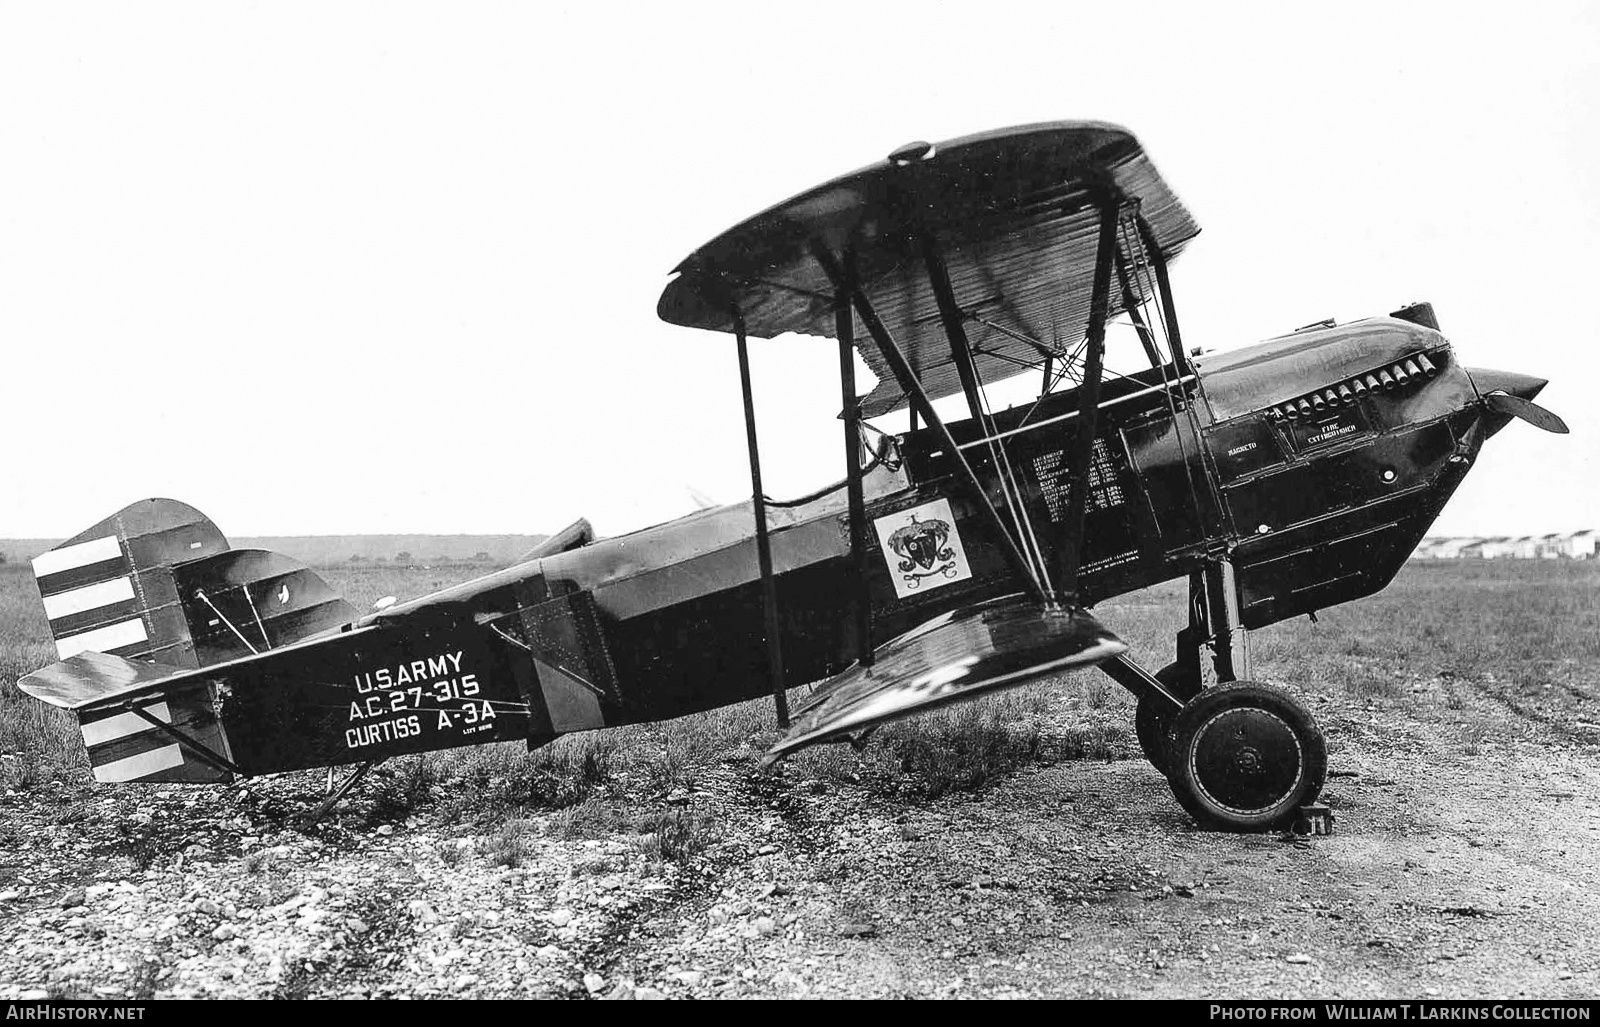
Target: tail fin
(247, 601)
(109, 589)
(155, 588)
(156, 581)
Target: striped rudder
(110, 589)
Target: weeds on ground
(1472, 737)
(401, 791)
(1100, 739)
(592, 818)
(675, 835)
(296, 983)
(1371, 684)
(512, 844)
(39, 743)
(144, 844)
(142, 980)
(507, 776)
(969, 747)
(280, 889)
(962, 751)
(451, 850)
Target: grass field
(1015, 845)
(1492, 650)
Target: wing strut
(1152, 248)
(1017, 541)
(758, 502)
(1141, 240)
(1130, 303)
(845, 328)
(1088, 399)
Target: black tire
(1246, 757)
(1153, 719)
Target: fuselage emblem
(923, 548)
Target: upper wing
(952, 658)
(1014, 214)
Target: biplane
(958, 555)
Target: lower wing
(952, 658)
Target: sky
(349, 267)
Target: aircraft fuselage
(1312, 508)
(1314, 488)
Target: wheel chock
(1315, 818)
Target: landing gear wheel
(1153, 718)
(1245, 757)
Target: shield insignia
(922, 547)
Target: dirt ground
(1447, 875)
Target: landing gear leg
(1214, 620)
(1181, 679)
(1230, 642)
(1161, 697)
(1241, 756)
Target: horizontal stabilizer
(952, 658)
(89, 677)
(143, 607)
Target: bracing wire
(200, 595)
(1013, 493)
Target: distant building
(1448, 548)
(1525, 547)
(1495, 549)
(1580, 545)
(1576, 545)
